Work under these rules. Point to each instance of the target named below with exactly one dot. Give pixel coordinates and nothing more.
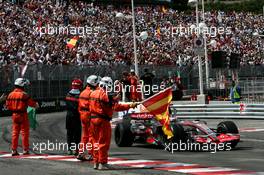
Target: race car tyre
(123, 135)
(162, 138)
(228, 127)
(178, 133)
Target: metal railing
(219, 111)
(54, 80)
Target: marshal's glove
(3, 98)
(134, 104)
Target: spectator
(2, 98)
(20, 40)
(147, 79)
(135, 91)
(126, 85)
(235, 93)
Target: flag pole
(24, 70)
(205, 51)
(156, 94)
(134, 38)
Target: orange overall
(101, 113)
(17, 102)
(135, 91)
(85, 119)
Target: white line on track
(167, 165)
(128, 161)
(253, 140)
(251, 129)
(6, 155)
(71, 160)
(35, 157)
(197, 170)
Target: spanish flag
(72, 42)
(158, 32)
(164, 10)
(158, 105)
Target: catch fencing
(50, 84)
(53, 81)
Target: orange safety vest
(18, 101)
(84, 100)
(100, 105)
(134, 93)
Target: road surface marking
(186, 168)
(252, 140)
(198, 170)
(236, 172)
(251, 129)
(128, 161)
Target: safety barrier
(54, 81)
(46, 105)
(219, 111)
(51, 81)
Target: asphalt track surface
(247, 158)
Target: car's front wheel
(123, 135)
(228, 127)
(178, 135)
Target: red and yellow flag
(158, 105)
(72, 43)
(164, 10)
(158, 32)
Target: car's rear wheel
(228, 127)
(123, 135)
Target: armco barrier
(219, 111)
(188, 109)
(46, 105)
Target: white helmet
(21, 82)
(93, 80)
(106, 82)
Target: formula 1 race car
(142, 127)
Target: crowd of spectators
(21, 42)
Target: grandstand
(21, 42)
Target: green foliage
(181, 5)
(175, 4)
(255, 6)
